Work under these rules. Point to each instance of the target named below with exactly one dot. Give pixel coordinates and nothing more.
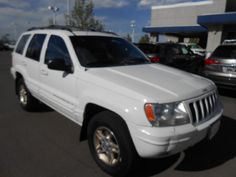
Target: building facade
(209, 21)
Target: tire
(26, 100)
(114, 153)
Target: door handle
(44, 72)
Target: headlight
(170, 114)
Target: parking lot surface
(46, 144)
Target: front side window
(21, 45)
(57, 50)
(100, 51)
(35, 46)
(184, 50)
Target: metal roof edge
(174, 29)
(185, 4)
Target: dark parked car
(175, 55)
(221, 66)
(3, 47)
(150, 51)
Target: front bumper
(154, 142)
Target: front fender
(131, 110)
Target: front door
(58, 88)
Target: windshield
(226, 52)
(100, 51)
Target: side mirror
(60, 65)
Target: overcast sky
(19, 15)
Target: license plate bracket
(229, 69)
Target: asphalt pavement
(46, 144)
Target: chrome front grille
(202, 109)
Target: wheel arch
(18, 77)
(91, 110)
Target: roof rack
(58, 27)
(66, 28)
(108, 32)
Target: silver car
(221, 66)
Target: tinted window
(35, 46)
(21, 45)
(100, 51)
(177, 50)
(173, 50)
(184, 50)
(57, 50)
(149, 48)
(225, 52)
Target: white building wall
(184, 14)
(214, 38)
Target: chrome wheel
(106, 146)
(23, 95)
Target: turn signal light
(149, 110)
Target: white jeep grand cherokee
(127, 106)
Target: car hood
(151, 82)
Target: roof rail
(109, 32)
(58, 27)
(66, 28)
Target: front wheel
(110, 144)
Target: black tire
(26, 100)
(124, 159)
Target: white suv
(127, 106)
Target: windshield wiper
(101, 64)
(126, 61)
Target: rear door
(58, 88)
(31, 63)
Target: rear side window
(35, 46)
(149, 48)
(225, 52)
(173, 50)
(21, 45)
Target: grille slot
(203, 108)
